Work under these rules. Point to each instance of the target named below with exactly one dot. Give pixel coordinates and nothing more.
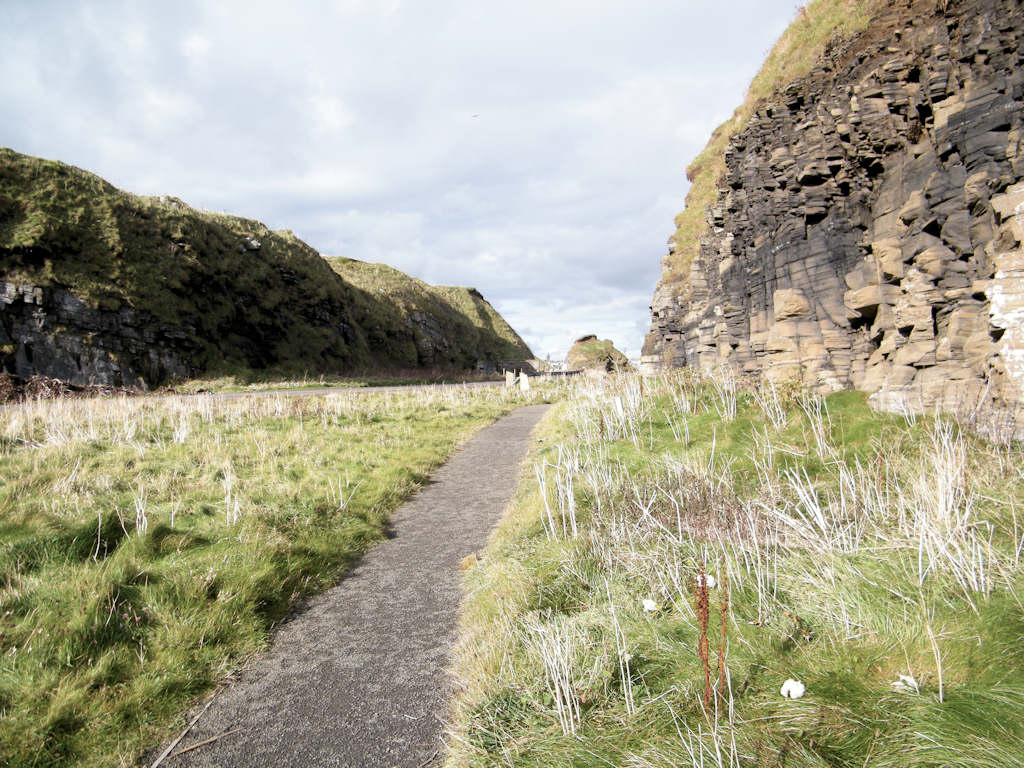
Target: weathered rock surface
(53, 332)
(868, 231)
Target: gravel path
(358, 678)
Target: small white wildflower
(793, 689)
(649, 605)
(709, 579)
(906, 683)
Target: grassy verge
(877, 562)
(149, 545)
(267, 383)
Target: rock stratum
(99, 287)
(867, 230)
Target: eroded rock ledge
(868, 230)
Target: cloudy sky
(533, 149)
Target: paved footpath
(358, 678)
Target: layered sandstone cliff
(867, 231)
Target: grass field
(259, 382)
(875, 560)
(149, 545)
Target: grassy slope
(475, 328)
(281, 308)
(148, 545)
(792, 57)
(912, 568)
(591, 352)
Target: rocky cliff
(100, 287)
(867, 229)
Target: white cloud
(534, 149)
(330, 116)
(196, 46)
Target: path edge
(518, 515)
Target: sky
(534, 150)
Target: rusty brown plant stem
(704, 650)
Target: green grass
(914, 569)
(794, 55)
(149, 545)
(262, 382)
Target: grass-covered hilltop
(452, 325)
(590, 353)
(99, 286)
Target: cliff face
(52, 332)
(867, 231)
(100, 287)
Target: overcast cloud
(532, 149)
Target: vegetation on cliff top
(591, 353)
(250, 298)
(818, 25)
(456, 324)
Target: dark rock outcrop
(52, 332)
(868, 230)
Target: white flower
(906, 683)
(793, 689)
(709, 579)
(649, 605)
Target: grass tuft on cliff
(876, 560)
(818, 25)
